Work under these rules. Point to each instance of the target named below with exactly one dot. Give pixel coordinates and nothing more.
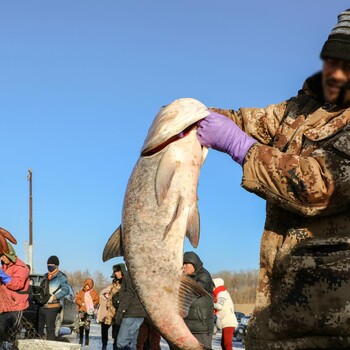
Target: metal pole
(30, 246)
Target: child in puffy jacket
(87, 299)
(226, 318)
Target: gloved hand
(4, 277)
(221, 133)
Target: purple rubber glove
(221, 133)
(4, 277)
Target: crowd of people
(116, 306)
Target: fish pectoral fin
(189, 291)
(165, 172)
(192, 230)
(114, 246)
(177, 211)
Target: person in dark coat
(200, 318)
(130, 315)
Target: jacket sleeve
(65, 289)
(313, 185)
(95, 298)
(79, 298)
(318, 184)
(205, 280)
(19, 275)
(260, 123)
(220, 302)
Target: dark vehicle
(67, 317)
(241, 330)
(239, 315)
(30, 315)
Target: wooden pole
(29, 177)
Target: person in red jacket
(14, 283)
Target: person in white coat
(225, 313)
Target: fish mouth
(172, 139)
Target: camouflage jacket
(301, 167)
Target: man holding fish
(296, 155)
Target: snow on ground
(95, 340)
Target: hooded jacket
(301, 167)
(223, 305)
(80, 297)
(200, 318)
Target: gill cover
(171, 120)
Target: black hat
(118, 267)
(337, 45)
(53, 259)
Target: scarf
(89, 304)
(217, 290)
(51, 274)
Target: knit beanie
(53, 259)
(337, 45)
(11, 255)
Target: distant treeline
(77, 278)
(240, 284)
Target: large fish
(159, 210)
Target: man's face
(334, 75)
(118, 274)
(188, 269)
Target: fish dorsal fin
(192, 230)
(114, 246)
(4, 235)
(189, 291)
(164, 175)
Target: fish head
(172, 122)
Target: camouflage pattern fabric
(301, 166)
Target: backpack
(41, 294)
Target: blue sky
(81, 82)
